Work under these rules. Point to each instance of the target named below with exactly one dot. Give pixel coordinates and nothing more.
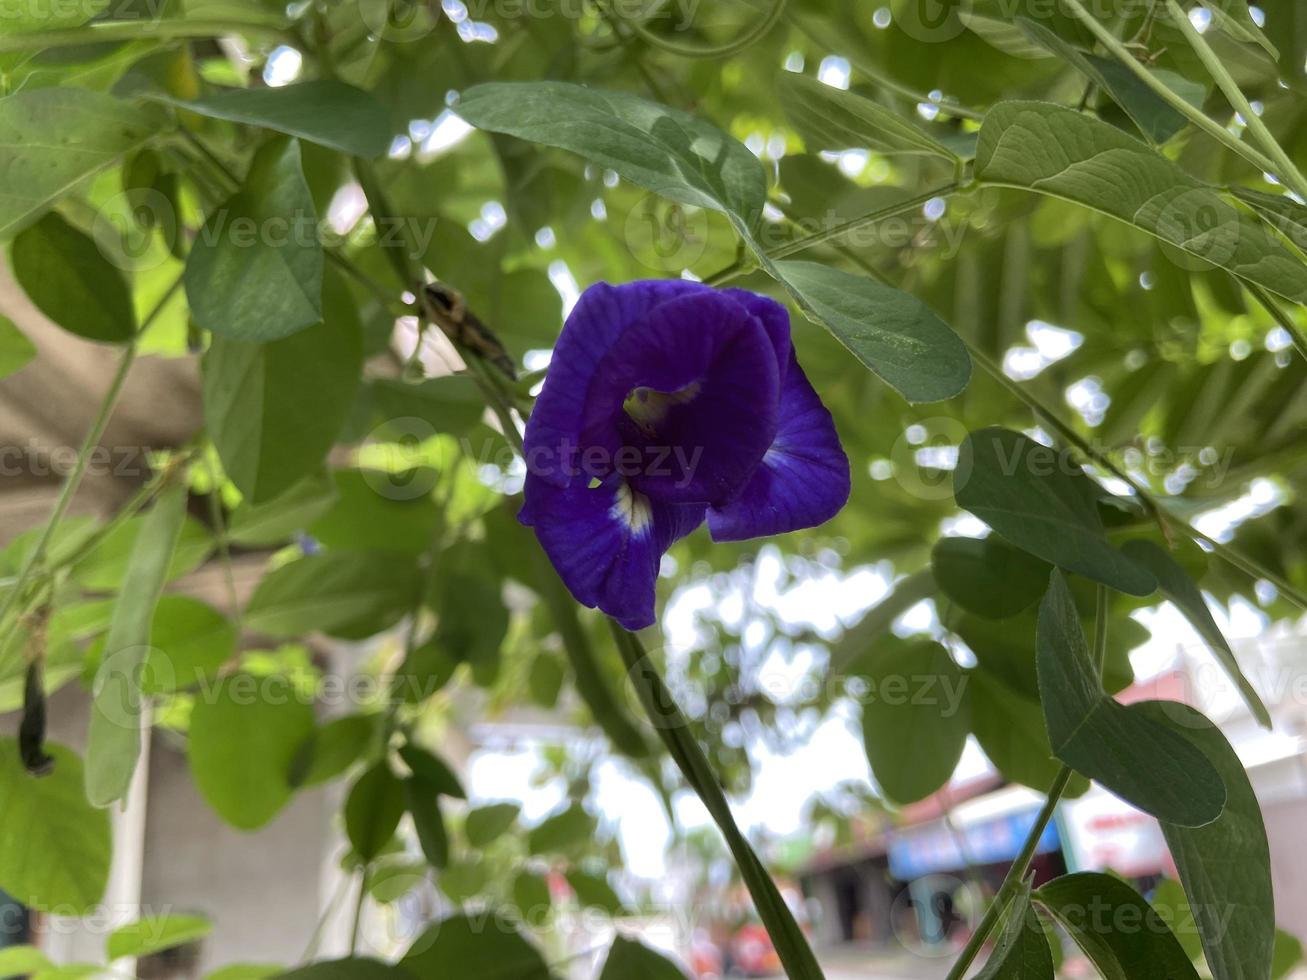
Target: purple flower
(668, 402)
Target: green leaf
(104, 568)
(1041, 501)
(545, 681)
(562, 832)
(1234, 18)
(472, 620)
(1225, 866)
(244, 735)
(893, 333)
(16, 351)
(1066, 154)
(1156, 119)
(432, 771)
(64, 273)
(51, 139)
(155, 935)
(466, 947)
(365, 518)
(531, 895)
(334, 747)
(987, 576)
(323, 111)
(1170, 902)
(664, 150)
(1022, 951)
(632, 960)
(1121, 933)
(915, 717)
(54, 846)
(279, 519)
(353, 968)
(189, 643)
(114, 742)
(452, 403)
(352, 595)
(832, 119)
(274, 410)
(1010, 729)
(21, 961)
(1288, 954)
(1177, 586)
(486, 824)
(428, 822)
(1105, 740)
(255, 270)
(373, 810)
(1280, 211)
(594, 892)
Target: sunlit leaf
(832, 119)
(154, 935)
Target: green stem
(1287, 169)
(134, 30)
(1200, 119)
(357, 928)
(1272, 306)
(746, 40)
(72, 481)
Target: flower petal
(804, 477)
(607, 541)
(596, 322)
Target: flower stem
(1200, 119)
(1287, 169)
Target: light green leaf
(893, 333)
(1177, 586)
(246, 971)
(189, 642)
(104, 568)
(354, 968)
(464, 947)
(155, 935)
(987, 576)
(1288, 954)
(1234, 18)
(54, 846)
(486, 824)
(334, 747)
(279, 519)
(244, 735)
(1041, 501)
(114, 741)
(21, 961)
(1280, 211)
(373, 811)
(664, 150)
(1122, 934)
(1103, 739)
(545, 681)
(255, 270)
(1022, 951)
(51, 139)
(16, 351)
(632, 960)
(352, 595)
(832, 119)
(367, 517)
(274, 410)
(323, 111)
(71, 281)
(1225, 866)
(1066, 154)
(562, 832)
(915, 717)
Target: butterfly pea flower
(667, 404)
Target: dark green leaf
(562, 832)
(1225, 866)
(255, 270)
(915, 717)
(323, 111)
(1010, 729)
(334, 747)
(274, 410)
(347, 594)
(893, 333)
(1022, 951)
(432, 771)
(663, 150)
(452, 404)
(987, 576)
(156, 935)
(428, 822)
(632, 960)
(1177, 586)
(1067, 154)
(54, 846)
(545, 680)
(1122, 934)
(245, 733)
(485, 948)
(1041, 501)
(373, 809)
(594, 892)
(114, 741)
(51, 139)
(1105, 740)
(829, 118)
(486, 824)
(70, 280)
(531, 895)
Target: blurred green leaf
(832, 119)
(373, 809)
(1022, 951)
(987, 576)
(347, 594)
(154, 935)
(630, 959)
(486, 824)
(469, 948)
(16, 351)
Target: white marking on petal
(633, 510)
